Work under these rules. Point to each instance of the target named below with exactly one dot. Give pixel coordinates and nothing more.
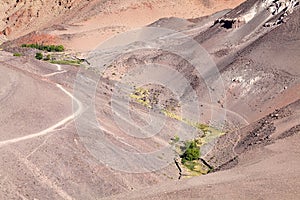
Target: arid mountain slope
(80, 22)
(260, 69)
(115, 126)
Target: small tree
(39, 56)
(59, 48)
(192, 152)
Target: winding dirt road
(52, 128)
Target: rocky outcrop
(277, 6)
(229, 23)
(23, 16)
(279, 9)
(225, 150)
(6, 31)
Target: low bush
(39, 56)
(17, 54)
(66, 62)
(48, 57)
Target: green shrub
(39, 56)
(48, 57)
(192, 152)
(59, 48)
(17, 54)
(176, 138)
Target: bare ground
(46, 155)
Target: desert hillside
(80, 21)
(189, 100)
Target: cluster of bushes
(192, 152)
(49, 48)
(40, 56)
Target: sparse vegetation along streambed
(189, 152)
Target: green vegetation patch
(176, 139)
(190, 159)
(141, 95)
(196, 168)
(173, 115)
(17, 54)
(48, 57)
(39, 56)
(191, 153)
(210, 132)
(49, 48)
(66, 62)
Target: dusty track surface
(33, 110)
(49, 155)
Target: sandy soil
(67, 139)
(89, 34)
